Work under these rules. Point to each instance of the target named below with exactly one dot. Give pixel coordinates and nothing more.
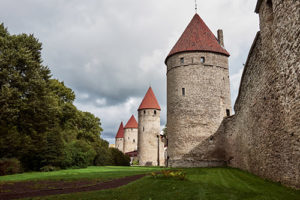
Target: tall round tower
(150, 145)
(119, 142)
(198, 92)
(130, 135)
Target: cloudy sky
(110, 51)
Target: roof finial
(196, 6)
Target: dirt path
(44, 188)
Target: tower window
(269, 3)
(202, 60)
(228, 112)
(182, 61)
(143, 129)
(133, 140)
(144, 111)
(183, 91)
(154, 112)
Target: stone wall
(263, 137)
(149, 129)
(130, 139)
(194, 116)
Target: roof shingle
(120, 133)
(132, 123)
(197, 37)
(149, 101)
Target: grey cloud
(110, 51)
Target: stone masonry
(263, 137)
(150, 144)
(198, 98)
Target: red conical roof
(120, 133)
(149, 101)
(132, 123)
(197, 37)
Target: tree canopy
(39, 124)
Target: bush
(103, 156)
(78, 154)
(135, 162)
(118, 158)
(49, 168)
(9, 166)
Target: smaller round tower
(130, 135)
(120, 138)
(150, 145)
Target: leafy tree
(39, 124)
(118, 158)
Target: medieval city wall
(263, 137)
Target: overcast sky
(110, 51)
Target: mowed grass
(92, 173)
(201, 183)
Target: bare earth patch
(16, 190)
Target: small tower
(130, 135)
(120, 138)
(198, 93)
(150, 145)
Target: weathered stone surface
(195, 115)
(148, 142)
(263, 137)
(130, 139)
(119, 144)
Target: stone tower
(120, 138)
(130, 135)
(198, 92)
(150, 145)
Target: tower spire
(196, 6)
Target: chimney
(220, 37)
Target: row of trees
(39, 124)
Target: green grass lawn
(103, 173)
(201, 183)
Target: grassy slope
(104, 173)
(201, 183)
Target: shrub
(135, 162)
(118, 158)
(103, 156)
(10, 166)
(78, 154)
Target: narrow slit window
(154, 112)
(133, 140)
(228, 112)
(144, 111)
(143, 129)
(202, 60)
(181, 61)
(270, 4)
(183, 91)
